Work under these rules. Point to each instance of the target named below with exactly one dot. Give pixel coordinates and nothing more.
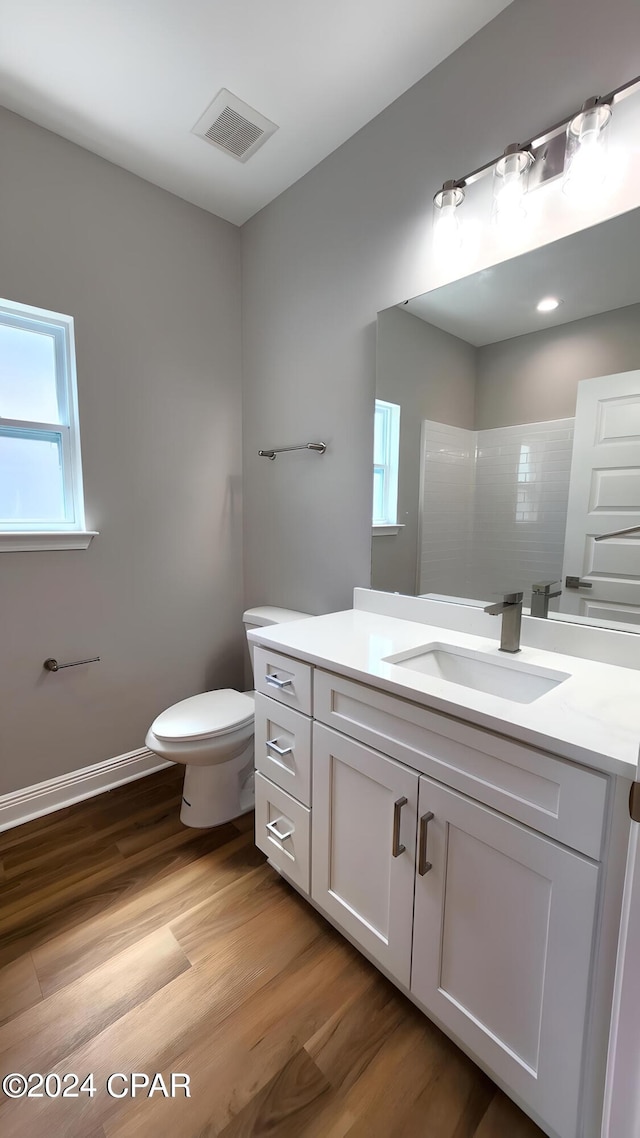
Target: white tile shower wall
(446, 497)
(493, 507)
(520, 514)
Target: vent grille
(233, 132)
(233, 126)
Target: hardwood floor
(129, 943)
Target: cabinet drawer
(284, 679)
(558, 798)
(283, 747)
(283, 831)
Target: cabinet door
(502, 947)
(363, 846)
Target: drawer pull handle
(272, 827)
(273, 746)
(276, 683)
(423, 865)
(397, 848)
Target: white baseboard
(45, 797)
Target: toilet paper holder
(52, 665)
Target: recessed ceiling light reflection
(548, 304)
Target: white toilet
(212, 734)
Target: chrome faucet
(541, 595)
(511, 609)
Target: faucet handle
(509, 600)
(543, 587)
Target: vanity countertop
(593, 717)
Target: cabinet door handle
(273, 746)
(276, 683)
(423, 865)
(272, 827)
(397, 848)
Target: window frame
(70, 532)
(389, 468)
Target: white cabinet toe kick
(479, 874)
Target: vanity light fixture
(586, 150)
(548, 304)
(575, 147)
(447, 231)
(510, 175)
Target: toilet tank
(264, 615)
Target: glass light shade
(510, 178)
(586, 152)
(447, 229)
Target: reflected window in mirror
(386, 460)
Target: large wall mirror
(510, 436)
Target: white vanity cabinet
(465, 864)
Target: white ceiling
(128, 79)
(595, 270)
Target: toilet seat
(207, 716)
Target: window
(386, 455)
(527, 506)
(41, 500)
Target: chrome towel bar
(52, 665)
(319, 447)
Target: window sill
(26, 542)
(386, 531)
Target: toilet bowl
(212, 735)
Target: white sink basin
(507, 678)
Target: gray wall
(534, 378)
(432, 375)
(348, 240)
(154, 286)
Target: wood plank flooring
(129, 943)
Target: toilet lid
(206, 715)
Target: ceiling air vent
(233, 126)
